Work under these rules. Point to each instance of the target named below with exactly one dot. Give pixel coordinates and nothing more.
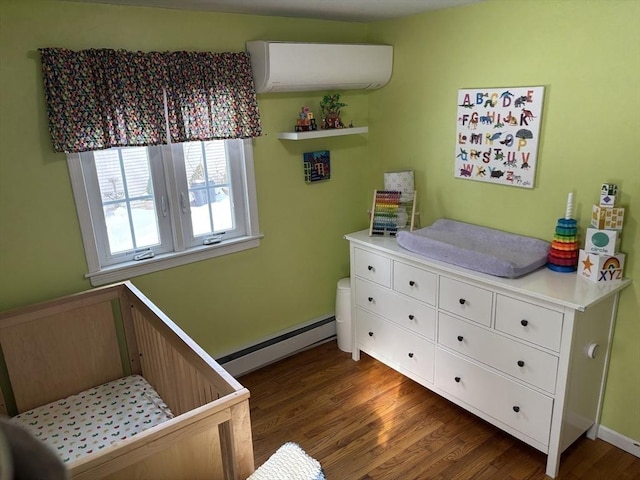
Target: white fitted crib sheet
(96, 418)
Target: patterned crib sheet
(96, 418)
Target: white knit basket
(289, 462)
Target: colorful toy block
(609, 189)
(608, 201)
(600, 261)
(306, 122)
(601, 268)
(607, 218)
(603, 242)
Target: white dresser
(528, 355)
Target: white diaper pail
(343, 314)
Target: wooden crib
(61, 347)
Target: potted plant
(331, 106)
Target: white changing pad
(96, 418)
(477, 248)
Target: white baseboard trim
(616, 439)
(279, 346)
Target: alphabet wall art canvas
(498, 131)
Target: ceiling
(344, 10)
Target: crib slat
(133, 354)
(224, 383)
(179, 384)
(171, 363)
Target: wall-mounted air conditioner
(297, 67)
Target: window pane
(145, 223)
(136, 167)
(118, 231)
(126, 191)
(109, 175)
(216, 162)
(207, 171)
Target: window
(143, 209)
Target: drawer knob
(370, 268)
(516, 408)
(410, 355)
(412, 283)
(462, 301)
(371, 334)
(524, 323)
(460, 338)
(411, 317)
(520, 363)
(370, 299)
(592, 350)
(457, 379)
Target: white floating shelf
(333, 132)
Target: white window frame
(84, 186)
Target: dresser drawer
(509, 356)
(374, 268)
(529, 322)
(399, 347)
(415, 282)
(406, 313)
(523, 409)
(465, 300)
(373, 297)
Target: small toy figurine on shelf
(306, 122)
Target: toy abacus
(384, 212)
(563, 255)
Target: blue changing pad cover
(477, 248)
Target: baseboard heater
(280, 346)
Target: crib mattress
(96, 418)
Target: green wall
(224, 303)
(585, 53)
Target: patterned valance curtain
(211, 96)
(103, 98)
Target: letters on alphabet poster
(498, 131)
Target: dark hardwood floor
(362, 420)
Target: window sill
(129, 270)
